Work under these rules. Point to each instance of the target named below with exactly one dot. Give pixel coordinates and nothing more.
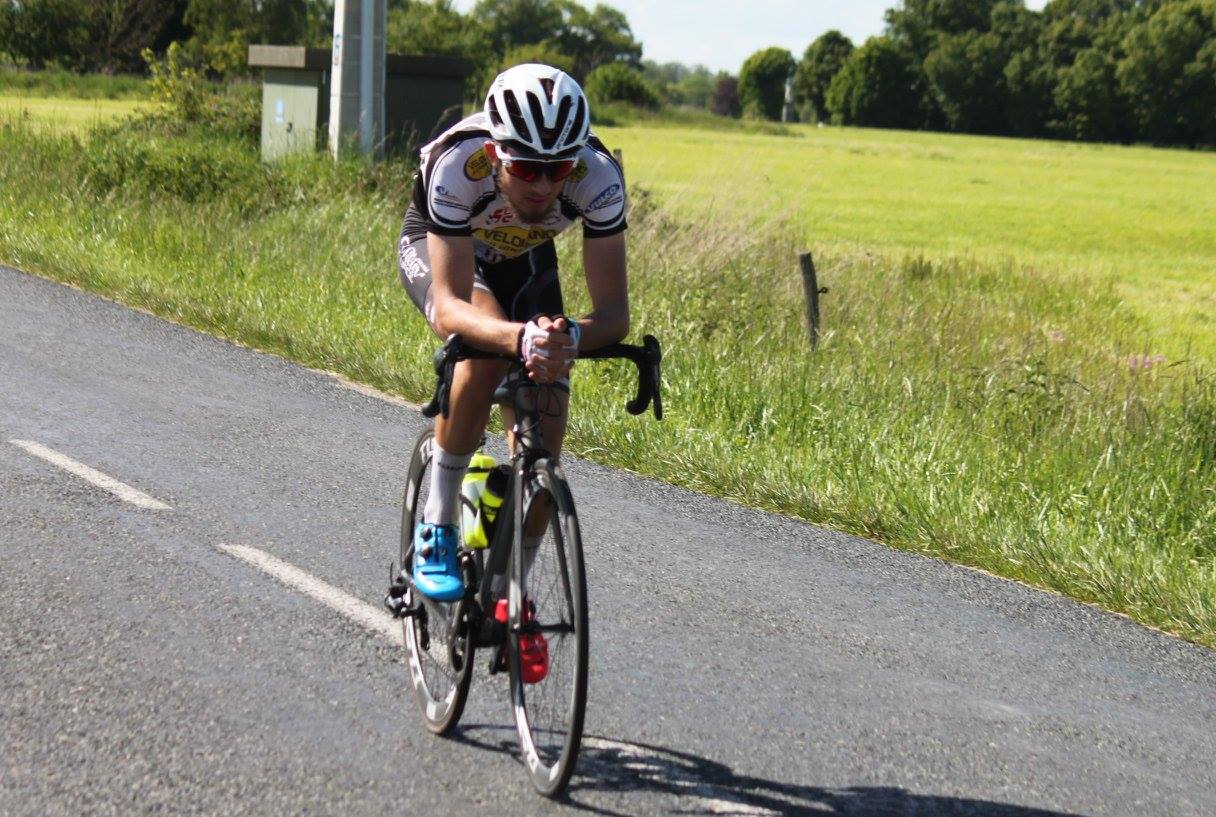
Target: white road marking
(365, 615)
(124, 492)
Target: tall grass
(975, 410)
(69, 85)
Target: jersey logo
(513, 241)
(606, 198)
(477, 167)
(580, 171)
(501, 216)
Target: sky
(721, 34)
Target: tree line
(1112, 70)
(1109, 70)
(108, 36)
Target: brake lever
(654, 356)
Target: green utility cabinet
(422, 95)
(295, 97)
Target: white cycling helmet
(538, 109)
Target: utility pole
(356, 96)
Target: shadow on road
(704, 786)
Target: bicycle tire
(549, 713)
(440, 689)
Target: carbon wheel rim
(549, 712)
(439, 689)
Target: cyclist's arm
(608, 286)
(452, 265)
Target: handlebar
(646, 357)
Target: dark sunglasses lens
(529, 170)
(525, 170)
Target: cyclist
(476, 256)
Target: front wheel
(548, 640)
(438, 645)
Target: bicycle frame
(545, 589)
(529, 447)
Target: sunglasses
(529, 170)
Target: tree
(86, 35)
(966, 77)
(421, 27)
(819, 64)
(1087, 98)
(696, 89)
(762, 82)
(41, 33)
(916, 24)
(877, 87)
(617, 82)
(1169, 73)
(512, 23)
(595, 37)
(1030, 83)
(1042, 71)
(124, 28)
(544, 53)
(223, 29)
(726, 96)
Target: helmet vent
(547, 135)
(517, 116)
(579, 123)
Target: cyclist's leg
(456, 436)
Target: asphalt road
(742, 663)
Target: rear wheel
(548, 601)
(438, 643)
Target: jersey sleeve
(602, 197)
(449, 193)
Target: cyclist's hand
(548, 348)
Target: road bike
(526, 605)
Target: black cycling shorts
(524, 286)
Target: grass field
(64, 114)
(1145, 217)
(988, 403)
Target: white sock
(447, 473)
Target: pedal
(396, 605)
(394, 600)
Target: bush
(617, 82)
(725, 101)
(762, 82)
(187, 98)
(820, 62)
(191, 168)
(876, 87)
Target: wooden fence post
(619, 156)
(812, 289)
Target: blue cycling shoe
(436, 573)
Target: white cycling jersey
(455, 193)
